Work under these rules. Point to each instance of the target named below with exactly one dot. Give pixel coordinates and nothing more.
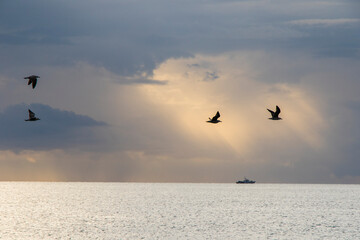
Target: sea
(77, 210)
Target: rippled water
(31, 210)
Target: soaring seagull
(275, 115)
(32, 116)
(215, 118)
(32, 80)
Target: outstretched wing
(30, 81)
(217, 115)
(277, 111)
(272, 112)
(34, 81)
(31, 114)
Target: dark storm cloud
(329, 37)
(127, 37)
(56, 130)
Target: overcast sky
(126, 88)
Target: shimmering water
(30, 210)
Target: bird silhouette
(32, 80)
(32, 116)
(275, 115)
(215, 118)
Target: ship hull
(242, 182)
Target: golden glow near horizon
(29, 165)
(190, 99)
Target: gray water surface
(38, 210)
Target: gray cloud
(211, 76)
(326, 22)
(345, 139)
(127, 37)
(140, 80)
(56, 130)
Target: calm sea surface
(31, 210)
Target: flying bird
(215, 118)
(275, 115)
(32, 80)
(32, 116)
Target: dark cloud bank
(57, 129)
(128, 37)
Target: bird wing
(34, 81)
(217, 115)
(277, 110)
(272, 112)
(31, 114)
(30, 81)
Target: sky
(126, 88)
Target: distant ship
(246, 181)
